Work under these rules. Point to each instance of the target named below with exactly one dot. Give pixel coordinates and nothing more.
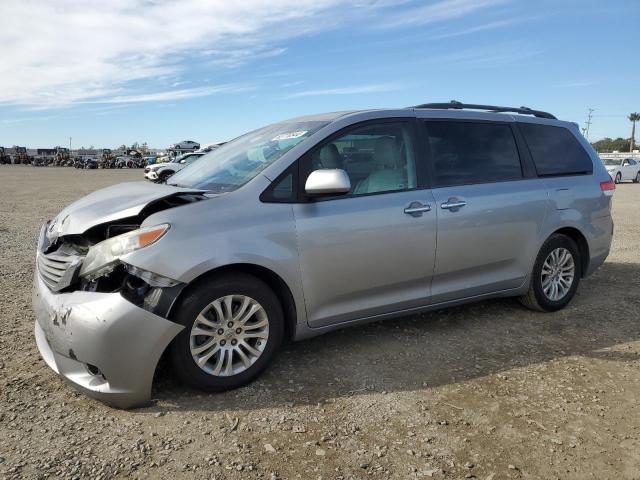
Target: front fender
(224, 231)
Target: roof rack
(455, 105)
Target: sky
(107, 73)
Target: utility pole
(69, 143)
(588, 123)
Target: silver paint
(345, 261)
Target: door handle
(416, 209)
(449, 205)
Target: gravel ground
(488, 391)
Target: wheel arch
(272, 279)
(581, 241)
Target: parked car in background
(91, 162)
(150, 160)
(185, 146)
(622, 170)
(313, 224)
(161, 171)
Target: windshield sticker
(289, 135)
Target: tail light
(608, 187)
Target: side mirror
(327, 182)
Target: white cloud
(66, 52)
(175, 94)
(438, 12)
(479, 28)
(353, 90)
(575, 84)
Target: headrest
(386, 154)
(330, 156)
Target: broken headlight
(103, 256)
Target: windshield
(229, 167)
(612, 162)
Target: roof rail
(455, 105)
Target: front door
(371, 251)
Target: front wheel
(637, 179)
(618, 177)
(234, 325)
(164, 176)
(555, 276)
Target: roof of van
(451, 110)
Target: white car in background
(162, 171)
(622, 170)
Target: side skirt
(304, 331)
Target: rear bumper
(80, 332)
(599, 243)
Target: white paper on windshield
(288, 136)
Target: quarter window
(555, 150)
(465, 153)
(378, 158)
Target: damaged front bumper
(101, 343)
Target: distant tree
(633, 118)
(608, 145)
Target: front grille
(58, 269)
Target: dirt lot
(486, 391)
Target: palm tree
(633, 118)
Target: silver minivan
(314, 224)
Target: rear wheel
(233, 327)
(555, 276)
(637, 179)
(618, 177)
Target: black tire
(164, 175)
(536, 299)
(618, 177)
(637, 179)
(195, 301)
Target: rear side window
(465, 153)
(555, 150)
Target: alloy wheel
(229, 335)
(558, 273)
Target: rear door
(628, 169)
(490, 208)
(635, 169)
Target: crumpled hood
(109, 204)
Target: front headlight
(104, 255)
